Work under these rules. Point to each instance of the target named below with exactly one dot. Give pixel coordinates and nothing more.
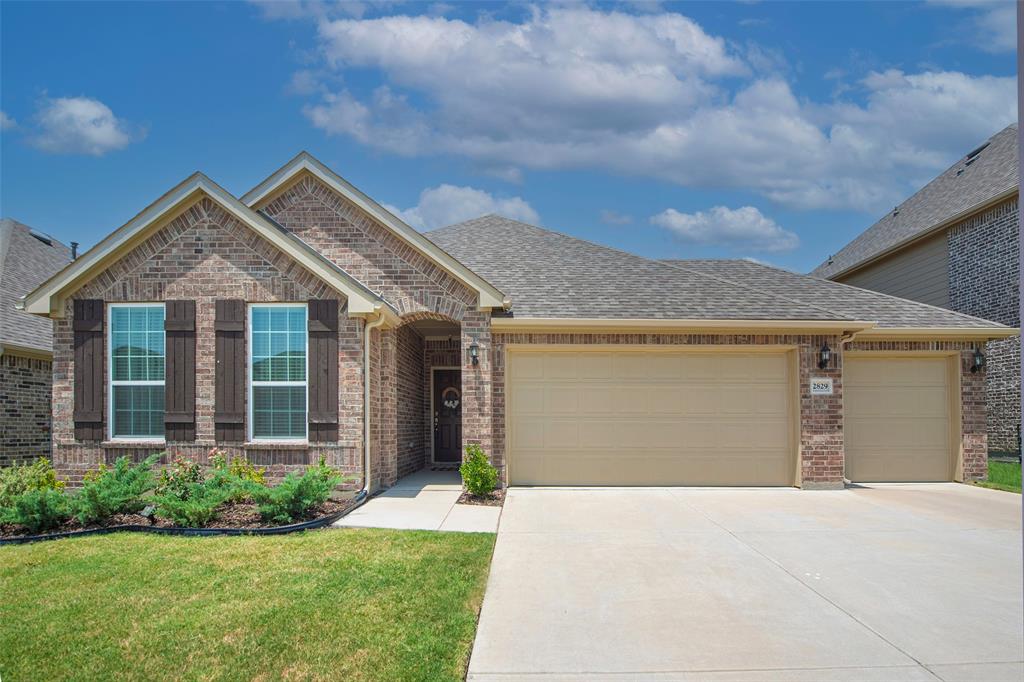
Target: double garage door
(645, 417)
(713, 417)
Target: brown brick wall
(973, 438)
(409, 399)
(204, 255)
(24, 408)
(984, 281)
(821, 424)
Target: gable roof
(489, 296)
(27, 258)
(889, 312)
(48, 298)
(983, 177)
(552, 275)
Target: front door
(447, 415)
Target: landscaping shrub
(18, 479)
(38, 510)
(177, 480)
(295, 495)
(478, 475)
(197, 509)
(116, 490)
(242, 479)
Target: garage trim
(956, 454)
(791, 352)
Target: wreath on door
(450, 397)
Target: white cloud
(6, 122)
(740, 228)
(80, 125)
(447, 204)
(610, 217)
(653, 96)
(995, 23)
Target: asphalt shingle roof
(552, 275)
(861, 304)
(25, 263)
(991, 173)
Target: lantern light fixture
(978, 361)
(824, 355)
(474, 351)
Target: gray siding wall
(919, 272)
(984, 272)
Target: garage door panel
(650, 418)
(897, 419)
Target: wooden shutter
(180, 373)
(229, 394)
(87, 325)
(323, 370)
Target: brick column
(973, 426)
(477, 406)
(821, 420)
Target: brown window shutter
(180, 372)
(230, 382)
(87, 326)
(323, 370)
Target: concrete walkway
(425, 500)
(896, 582)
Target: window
(137, 371)
(277, 366)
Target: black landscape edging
(189, 532)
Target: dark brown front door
(447, 415)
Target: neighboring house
(955, 244)
(305, 321)
(27, 258)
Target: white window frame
(124, 382)
(250, 404)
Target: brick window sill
(132, 444)
(276, 445)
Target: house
(303, 320)
(955, 244)
(27, 257)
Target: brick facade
(25, 389)
(204, 254)
(984, 280)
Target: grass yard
(339, 604)
(1003, 476)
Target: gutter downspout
(368, 327)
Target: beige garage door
(897, 423)
(598, 417)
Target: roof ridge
(661, 263)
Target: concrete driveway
(888, 582)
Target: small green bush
(177, 480)
(197, 509)
(116, 490)
(18, 479)
(478, 475)
(38, 510)
(295, 495)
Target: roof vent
(895, 211)
(42, 237)
(830, 259)
(972, 155)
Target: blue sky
(773, 131)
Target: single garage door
(897, 418)
(601, 417)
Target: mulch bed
(238, 515)
(494, 499)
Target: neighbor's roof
(27, 258)
(887, 311)
(552, 275)
(974, 181)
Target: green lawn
(1003, 476)
(338, 604)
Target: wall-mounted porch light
(824, 355)
(978, 362)
(474, 351)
